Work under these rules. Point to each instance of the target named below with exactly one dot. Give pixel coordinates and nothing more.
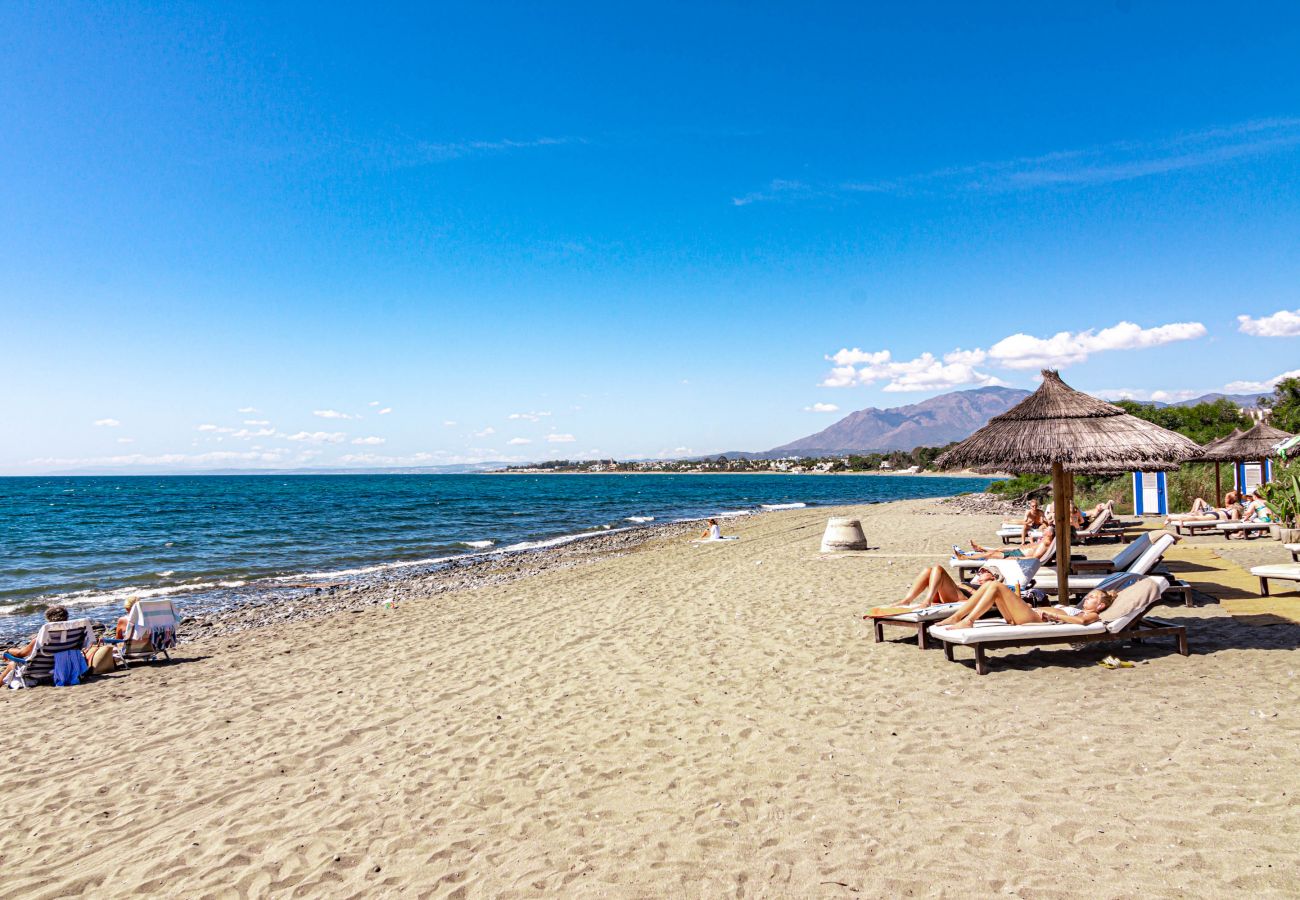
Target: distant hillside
(930, 423)
(1246, 401)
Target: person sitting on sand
(713, 532)
(934, 585)
(1034, 518)
(1033, 550)
(1015, 611)
(52, 614)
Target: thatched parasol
(1063, 431)
(1207, 456)
(1254, 444)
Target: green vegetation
(1021, 487)
(1285, 405)
(1203, 422)
(1283, 493)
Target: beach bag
(1035, 597)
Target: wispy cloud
(330, 414)
(318, 437)
(1105, 164)
(486, 432)
(822, 408)
(518, 441)
(1251, 387)
(554, 438)
(371, 441)
(107, 423)
(529, 416)
(404, 152)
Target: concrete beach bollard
(843, 534)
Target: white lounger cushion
(1278, 570)
(1146, 560)
(998, 630)
(1294, 548)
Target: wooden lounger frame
(923, 642)
(1140, 628)
(1195, 527)
(1263, 582)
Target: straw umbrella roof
(1056, 423)
(1256, 442)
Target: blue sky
(636, 228)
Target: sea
(211, 542)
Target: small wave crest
(772, 506)
(477, 545)
(640, 520)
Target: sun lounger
(1245, 529)
(1014, 572)
(1295, 551)
(991, 634)
(1191, 528)
(1150, 550)
(966, 568)
(74, 635)
(151, 631)
(1275, 572)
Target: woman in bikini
(934, 585)
(1017, 612)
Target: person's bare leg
(921, 584)
(1013, 607)
(945, 589)
(979, 604)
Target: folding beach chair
(150, 631)
(54, 638)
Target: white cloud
(1283, 323)
(330, 414)
(486, 432)
(1023, 351)
(245, 434)
(371, 441)
(385, 411)
(173, 460)
(924, 373)
(214, 429)
(318, 437)
(518, 441)
(107, 423)
(449, 424)
(126, 440)
(256, 422)
(246, 410)
(822, 408)
(373, 403)
(529, 416)
(560, 438)
(1254, 387)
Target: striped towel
(53, 638)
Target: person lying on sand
(1033, 550)
(1017, 612)
(934, 585)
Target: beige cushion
(1131, 601)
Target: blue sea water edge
(215, 542)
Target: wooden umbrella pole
(1218, 486)
(1061, 521)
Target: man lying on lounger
(1204, 511)
(1017, 612)
(1033, 550)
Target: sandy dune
(684, 720)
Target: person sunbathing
(1033, 550)
(934, 585)
(1015, 611)
(1204, 511)
(1257, 509)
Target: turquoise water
(90, 542)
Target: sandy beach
(673, 719)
